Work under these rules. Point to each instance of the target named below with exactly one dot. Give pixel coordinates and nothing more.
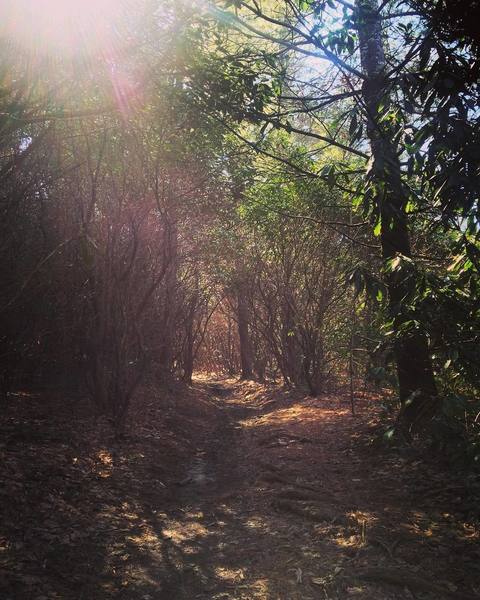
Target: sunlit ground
(299, 519)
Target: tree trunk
(418, 393)
(290, 346)
(246, 354)
(188, 350)
(167, 335)
(188, 362)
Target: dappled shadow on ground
(227, 491)
(379, 517)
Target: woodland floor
(227, 491)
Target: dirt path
(279, 503)
(236, 492)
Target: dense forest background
(282, 190)
(239, 299)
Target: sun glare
(63, 27)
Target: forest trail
(247, 493)
(280, 504)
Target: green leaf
(388, 435)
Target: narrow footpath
(229, 491)
(282, 500)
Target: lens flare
(93, 40)
(62, 27)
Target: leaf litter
(322, 514)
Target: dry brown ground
(227, 491)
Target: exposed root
(312, 513)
